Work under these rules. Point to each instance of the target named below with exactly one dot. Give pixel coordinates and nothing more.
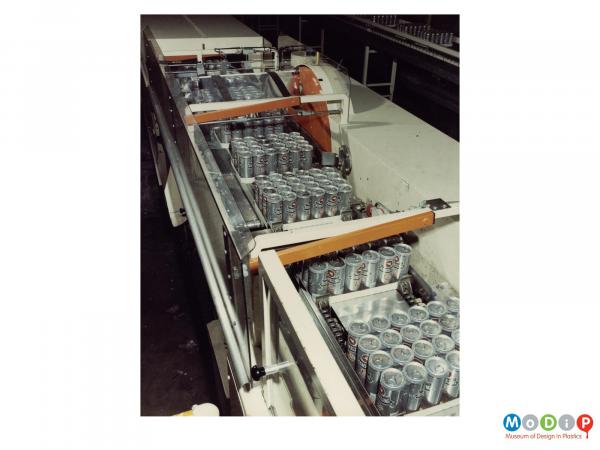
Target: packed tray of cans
(408, 360)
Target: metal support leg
(322, 41)
(393, 79)
(365, 65)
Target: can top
(392, 378)
(369, 343)
(358, 327)
(411, 333)
(430, 328)
(456, 336)
(403, 248)
(260, 178)
(414, 372)
(345, 187)
(449, 322)
(302, 194)
(387, 252)
(370, 256)
(379, 323)
(423, 349)
(453, 304)
(380, 360)
(328, 169)
(273, 197)
(330, 188)
(418, 313)
(453, 359)
(316, 190)
(442, 343)
(436, 308)
(402, 354)
(336, 262)
(288, 195)
(318, 267)
(390, 338)
(353, 259)
(399, 318)
(436, 367)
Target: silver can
(369, 278)
(399, 319)
(390, 338)
(367, 344)
(306, 155)
(317, 278)
(354, 267)
(378, 362)
(423, 349)
(245, 167)
(442, 345)
(259, 161)
(437, 372)
(336, 273)
(302, 205)
(273, 208)
(430, 328)
(345, 196)
(404, 252)
(389, 392)
(275, 177)
(264, 193)
(455, 335)
(436, 309)
(314, 171)
(283, 155)
(317, 203)
(453, 304)
(415, 375)
(452, 384)
(271, 160)
(294, 160)
(356, 329)
(288, 207)
(402, 354)
(418, 314)
(411, 334)
(257, 186)
(331, 200)
(385, 265)
(449, 323)
(379, 324)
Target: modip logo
(547, 427)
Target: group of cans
(299, 195)
(357, 268)
(425, 32)
(194, 92)
(407, 356)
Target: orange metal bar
(228, 113)
(174, 58)
(320, 247)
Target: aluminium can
(378, 362)
(259, 162)
(436, 309)
(317, 278)
(452, 384)
(331, 200)
(283, 155)
(302, 205)
(423, 349)
(442, 345)
(399, 319)
(415, 375)
(257, 185)
(245, 168)
(453, 305)
(317, 203)
(273, 208)
(264, 193)
(389, 392)
(455, 335)
(271, 160)
(390, 338)
(367, 344)
(411, 334)
(345, 194)
(418, 314)
(430, 328)
(356, 329)
(379, 324)
(449, 323)
(288, 207)
(275, 177)
(369, 278)
(336, 272)
(305, 156)
(401, 354)
(354, 268)
(314, 171)
(385, 265)
(297, 186)
(294, 159)
(437, 373)
(404, 252)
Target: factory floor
(176, 361)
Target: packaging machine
(286, 169)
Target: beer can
(399, 319)
(275, 177)
(314, 171)
(288, 207)
(402, 354)
(306, 156)
(294, 161)
(379, 324)
(403, 251)
(302, 205)
(317, 203)
(437, 372)
(258, 185)
(356, 329)
(328, 169)
(273, 208)
(294, 134)
(370, 258)
(452, 384)
(288, 175)
(259, 161)
(305, 178)
(430, 328)
(378, 362)
(390, 338)
(455, 335)
(411, 334)
(245, 168)
(271, 160)
(385, 265)
(336, 273)
(415, 375)
(297, 186)
(453, 304)
(354, 268)
(436, 309)
(264, 193)
(331, 200)
(449, 323)
(317, 278)
(423, 349)
(283, 155)
(442, 344)
(310, 185)
(305, 265)
(367, 344)
(345, 194)
(418, 314)
(389, 392)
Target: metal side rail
(216, 283)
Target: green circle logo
(548, 422)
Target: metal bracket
(435, 204)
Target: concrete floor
(176, 362)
